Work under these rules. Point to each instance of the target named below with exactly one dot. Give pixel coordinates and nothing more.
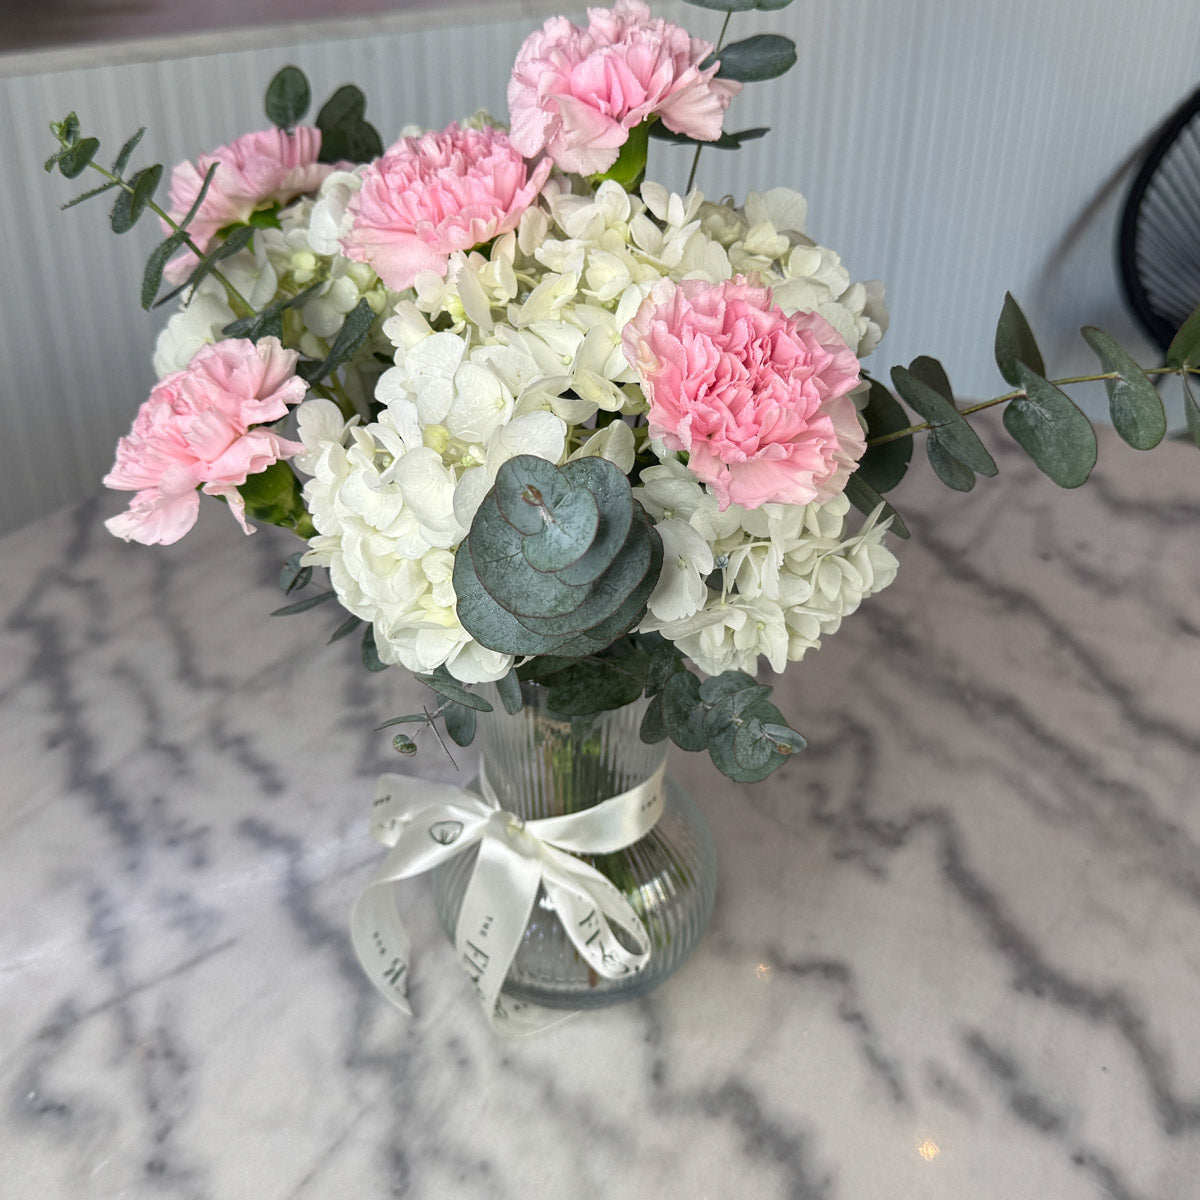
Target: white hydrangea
(518, 351)
(773, 581)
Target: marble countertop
(956, 947)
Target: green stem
(883, 438)
(696, 156)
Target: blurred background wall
(955, 149)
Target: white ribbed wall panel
(954, 148)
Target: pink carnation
(256, 169)
(430, 196)
(200, 428)
(576, 93)
(758, 399)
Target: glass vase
(541, 764)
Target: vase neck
(542, 764)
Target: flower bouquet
(554, 429)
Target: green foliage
(764, 56)
(351, 336)
(442, 682)
(126, 151)
(131, 204)
(1049, 427)
(884, 465)
(293, 576)
(1191, 411)
(345, 133)
(596, 684)
(558, 561)
(269, 321)
(733, 6)
(164, 251)
(304, 605)
(460, 723)
(76, 158)
(866, 499)
(955, 451)
(728, 715)
(509, 689)
(727, 141)
(1015, 343)
(1133, 401)
(370, 655)
(1184, 349)
(288, 97)
(345, 629)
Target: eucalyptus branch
(1018, 393)
(240, 305)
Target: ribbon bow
(427, 824)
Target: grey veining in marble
(955, 955)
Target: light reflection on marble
(956, 950)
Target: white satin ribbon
(427, 824)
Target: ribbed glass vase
(544, 765)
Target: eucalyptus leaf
(96, 191)
(237, 240)
(1051, 429)
(653, 728)
(293, 576)
(1184, 349)
(614, 501)
(126, 151)
(1191, 411)
(442, 682)
(866, 499)
(460, 723)
(509, 688)
(345, 629)
(752, 748)
(1133, 401)
(403, 744)
(131, 204)
(683, 712)
(205, 183)
(155, 265)
(763, 56)
(347, 106)
(74, 160)
(594, 687)
(288, 97)
(732, 140)
(732, 684)
(1015, 343)
(740, 5)
(950, 427)
(884, 466)
(370, 652)
(931, 373)
(787, 740)
(345, 133)
(757, 758)
(304, 605)
(569, 530)
(421, 718)
(947, 468)
(350, 337)
(665, 660)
